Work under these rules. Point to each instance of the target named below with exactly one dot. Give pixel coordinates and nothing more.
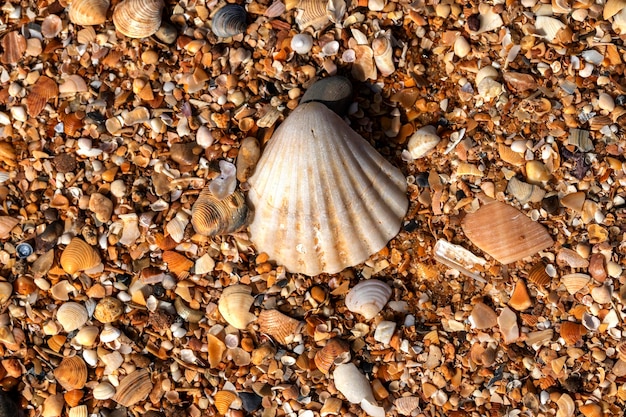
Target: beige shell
(133, 388)
(138, 18)
(368, 298)
(88, 12)
(53, 406)
(575, 282)
(103, 391)
(335, 350)
(383, 55)
(211, 216)
(71, 373)
(79, 411)
(234, 306)
(505, 233)
(278, 325)
(72, 316)
(328, 213)
(525, 192)
(79, 256)
(216, 349)
(108, 310)
(406, 405)
(312, 13)
(223, 400)
(187, 313)
(7, 223)
(87, 335)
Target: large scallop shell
(229, 21)
(88, 12)
(505, 233)
(138, 18)
(324, 199)
(71, 373)
(335, 350)
(72, 316)
(211, 216)
(79, 256)
(278, 325)
(133, 388)
(234, 306)
(368, 298)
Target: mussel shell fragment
(229, 21)
(211, 216)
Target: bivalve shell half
(72, 316)
(71, 373)
(406, 405)
(278, 325)
(423, 141)
(103, 391)
(79, 256)
(223, 400)
(335, 351)
(7, 223)
(211, 216)
(319, 217)
(134, 388)
(229, 21)
(368, 298)
(88, 12)
(505, 233)
(538, 275)
(572, 332)
(79, 411)
(234, 306)
(575, 282)
(138, 18)
(177, 263)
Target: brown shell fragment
(177, 263)
(538, 275)
(7, 223)
(278, 325)
(13, 46)
(43, 90)
(71, 373)
(223, 400)
(335, 349)
(572, 332)
(133, 388)
(79, 256)
(211, 216)
(505, 233)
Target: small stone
(596, 267)
(247, 158)
(250, 401)
(101, 206)
(507, 321)
(537, 172)
(186, 153)
(473, 22)
(550, 204)
(150, 57)
(606, 102)
(167, 33)
(64, 163)
(118, 188)
(483, 317)
(461, 47)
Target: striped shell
(134, 388)
(103, 391)
(406, 405)
(368, 298)
(278, 325)
(177, 263)
(575, 282)
(334, 350)
(313, 213)
(234, 306)
(7, 223)
(229, 21)
(138, 18)
(211, 216)
(79, 411)
(72, 316)
(71, 373)
(223, 400)
(88, 12)
(73, 397)
(572, 332)
(538, 275)
(79, 256)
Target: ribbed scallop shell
(71, 373)
(103, 391)
(56, 342)
(79, 256)
(406, 405)
(234, 306)
(88, 12)
(368, 298)
(133, 388)
(323, 198)
(177, 263)
(335, 349)
(72, 316)
(138, 18)
(212, 217)
(80, 411)
(229, 21)
(278, 325)
(223, 400)
(538, 275)
(73, 397)
(575, 282)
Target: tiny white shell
(368, 298)
(423, 141)
(302, 43)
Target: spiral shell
(71, 373)
(88, 12)
(134, 388)
(211, 216)
(278, 325)
(138, 18)
(229, 21)
(335, 350)
(72, 316)
(368, 298)
(234, 306)
(79, 256)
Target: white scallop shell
(343, 203)
(368, 298)
(72, 316)
(78, 411)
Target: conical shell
(229, 21)
(72, 316)
(223, 400)
(234, 306)
(368, 298)
(334, 350)
(7, 223)
(278, 325)
(211, 216)
(133, 388)
(88, 12)
(138, 18)
(505, 233)
(342, 203)
(71, 373)
(79, 256)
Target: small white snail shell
(302, 43)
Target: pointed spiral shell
(229, 21)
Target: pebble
(537, 172)
(596, 267)
(483, 317)
(507, 321)
(249, 154)
(101, 206)
(519, 146)
(118, 188)
(461, 47)
(250, 401)
(605, 102)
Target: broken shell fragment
(334, 92)
(289, 223)
(79, 256)
(525, 192)
(423, 141)
(229, 21)
(278, 325)
(575, 282)
(368, 298)
(72, 316)
(234, 306)
(138, 18)
(71, 373)
(505, 233)
(223, 400)
(7, 223)
(88, 12)
(133, 388)
(211, 216)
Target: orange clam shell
(79, 256)
(278, 325)
(71, 373)
(334, 349)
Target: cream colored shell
(88, 12)
(324, 199)
(138, 18)
(234, 306)
(368, 298)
